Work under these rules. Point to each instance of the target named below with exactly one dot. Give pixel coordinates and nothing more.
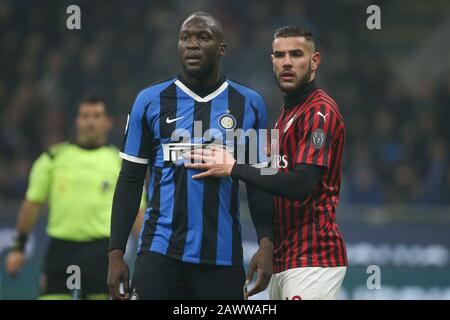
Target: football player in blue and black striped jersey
(190, 245)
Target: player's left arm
(261, 208)
(318, 132)
(262, 211)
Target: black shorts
(92, 259)
(160, 277)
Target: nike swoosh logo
(172, 120)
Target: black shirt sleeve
(126, 201)
(297, 185)
(262, 211)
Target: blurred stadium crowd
(397, 148)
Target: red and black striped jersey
(306, 233)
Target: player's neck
(299, 96)
(202, 87)
(89, 145)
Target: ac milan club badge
(318, 138)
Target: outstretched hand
(215, 160)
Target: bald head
(208, 21)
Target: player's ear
(272, 57)
(222, 49)
(315, 61)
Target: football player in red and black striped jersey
(310, 258)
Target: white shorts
(312, 283)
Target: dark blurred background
(392, 85)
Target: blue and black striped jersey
(194, 221)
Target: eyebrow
(197, 33)
(290, 51)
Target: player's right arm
(36, 196)
(126, 203)
(127, 196)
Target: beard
(301, 82)
(305, 79)
(90, 141)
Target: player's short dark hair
(93, 98)
(216, 26)
(293, 31)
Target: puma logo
(323, 116)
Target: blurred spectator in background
(76, 179)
